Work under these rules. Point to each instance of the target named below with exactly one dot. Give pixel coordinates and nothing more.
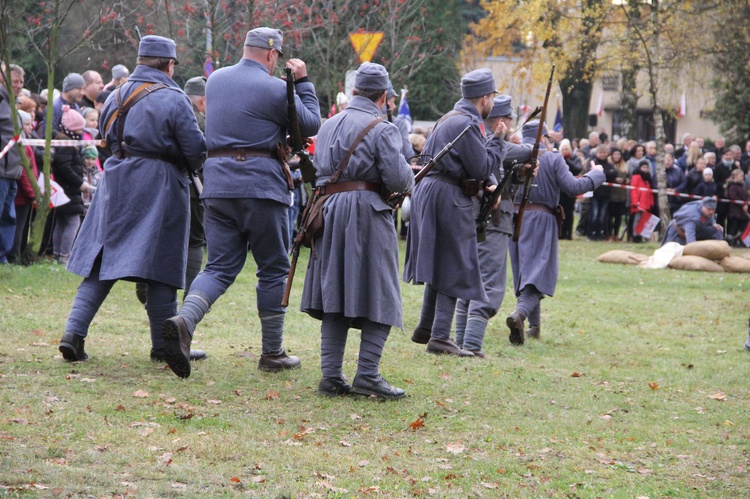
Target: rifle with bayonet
(297, 142)
(398, 197)
(489, 200)
(518, 219)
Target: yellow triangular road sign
(365, 44)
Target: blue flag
(403, 109)
(558, 120)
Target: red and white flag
(57, 197)
(600, 105)
(745, 237)
(646, 225)
(683, 106)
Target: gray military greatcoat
(353, 269)
(534, 257)
(441, 247)
(139, 218)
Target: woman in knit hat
(67, 168)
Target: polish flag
(683, 106)
(600, 105)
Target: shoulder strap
(345, 162)
(123, 107)
(452, 113)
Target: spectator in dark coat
(567, 202)
(67, 168)
(737, 216)
(676, 181)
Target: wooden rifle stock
(398, 197)
(295, 248)
(295, 135)
(533, 160)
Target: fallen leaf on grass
(489, 485)
(20, 421)
(215, 402)
(355, 417)
(418, 423)
(576, 374)
(272, 395)
(363, 463)
(329, 486)
(344, 443)
(644, 471)
(728, 423)
(456, 448)
(720, 396)
(653, 385)
(445, 376)
(234, 479)
(606, 416)
(258, 479)
(140, 394)
(372, 488)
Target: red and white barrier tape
(60, 143)
(42, 142)
(671, 192)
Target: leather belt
(680, 232)
(353, 185)
(446, 178)
(535, 207)
(240, 153)
(469, 186)
(122, 153)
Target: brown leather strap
(139, 93)
(353, 185)
(337, 174)
(535, 207)
(240, 153)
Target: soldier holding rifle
(441, 245)
(534, 257)
(472, 315)
(247, 193)
(352, 277)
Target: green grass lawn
(637, 388)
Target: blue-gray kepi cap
(391, 91)
(478, 83)
(371, 76)
(196, 86)
(265, 38)
(709, 203)
(502, 108)
(529, 131)
(157, 46)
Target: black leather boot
(71, 347)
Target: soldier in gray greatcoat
(694, 221)
(247, 193)
(137, 226)
(534, 257)
(195, 89)
(352, 277)
(472, 315)
(441, 246)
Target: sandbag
(622, 257)
(662, 256)
(692, 262)
(713, 249)
(736, 264)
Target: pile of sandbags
(622, 257)
(704, 256)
